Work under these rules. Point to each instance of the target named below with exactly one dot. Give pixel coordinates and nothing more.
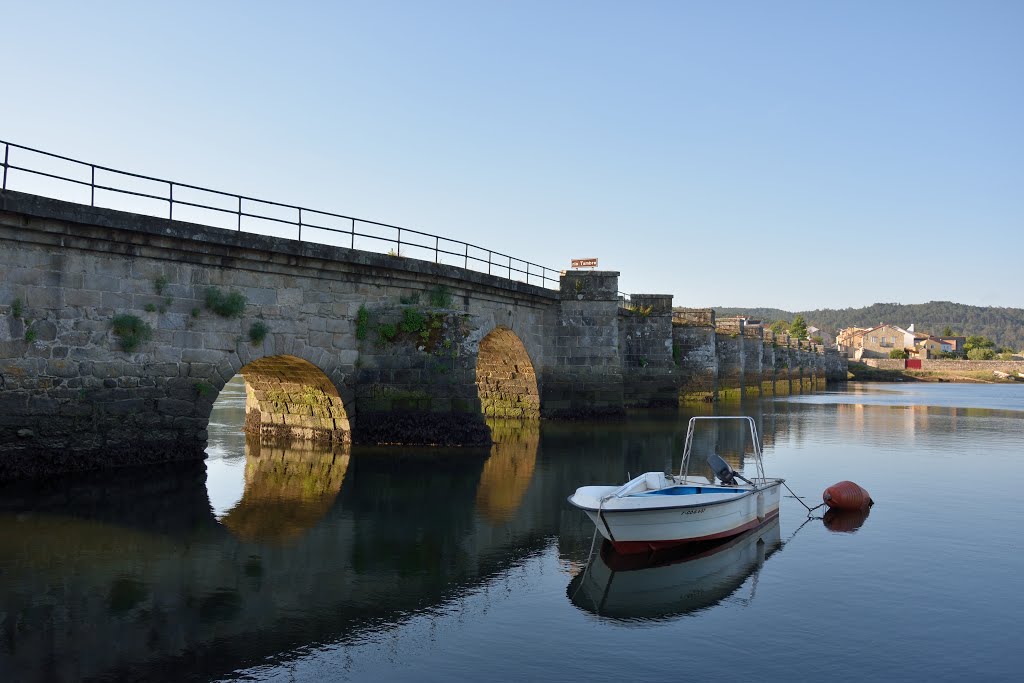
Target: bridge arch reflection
(508, 471)
(289, 488)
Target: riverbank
(860, 372)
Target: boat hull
(636, 529)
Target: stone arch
(506, 381)
(287, 397)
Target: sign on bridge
(584, 263)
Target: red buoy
(847, 496)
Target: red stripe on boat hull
(633, 547)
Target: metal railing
(247, 214)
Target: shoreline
(859, 372)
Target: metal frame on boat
(657, 510)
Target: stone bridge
(117, 332)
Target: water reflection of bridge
(321, 545)
(322, 540)
(288, 489)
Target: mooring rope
(586, 568)
(793, 535)
(809, 509)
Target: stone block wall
(793, 368)
(818, 362)
(729, 326)
(885, 363)
(768, 370)
(583, 373)
(416, 379)
(753, 351)
(645, 342)
(836, 365)
(694, 317)
(696, 361)
(780, 369)
(1009, 366)
(730, 349)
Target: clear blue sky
(787, 154)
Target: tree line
(1003, 327)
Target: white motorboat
(657, 510)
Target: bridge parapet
(693, 317)
(731, 325)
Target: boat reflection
(680, 582)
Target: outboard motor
(725, 474)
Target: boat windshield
(684, 466)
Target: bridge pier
(583, 375)
(753, 345)
(693, 347)
(792, 371)
(798, 371)
(768, 369)
(416, 381)
(834, 365)
(729, 349)
(645, 336)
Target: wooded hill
(1004, 326)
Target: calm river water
(401, 565)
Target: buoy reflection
(845, 521)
